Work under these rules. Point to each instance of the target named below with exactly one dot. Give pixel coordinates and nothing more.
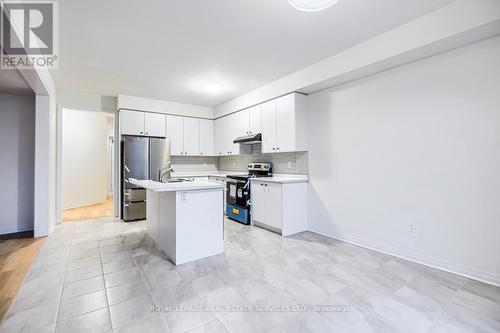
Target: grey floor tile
(82, 287)
(378, 293)
(457, 318)
(83, 262)
(37, 292)
(76, 306)
(95, 322)
(82, 273)
(126, 291)
(131, 311)
(31, 320)
(152, 324)
(120, 277)
(213, 326)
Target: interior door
(154, 124)
(132, 122)
(175, 131)
(269, 127)
(273, 204)
(191, 136)
(285, 123)
(258, 201)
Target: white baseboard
(10, 229)
(468, 272)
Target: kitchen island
(185, 219)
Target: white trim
(13, 228)
(444, 265)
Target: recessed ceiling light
(312, 5)
(212, 88)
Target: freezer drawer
(134, 195)
(134, 211)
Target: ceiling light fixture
(213, 88)
(312, 5)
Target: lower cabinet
(222, 181)
(279, 207)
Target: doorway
(88, 159)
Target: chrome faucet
(165, 171)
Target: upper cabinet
(142, 123)
(227, 129)
(206, 137)
(154, 124)
(190, 136)
(255, 120)
(284, 124)
(175, 132)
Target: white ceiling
(166, 49)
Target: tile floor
(107, 276)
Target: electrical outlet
(289, 165)
(234, 164)
(412, 227)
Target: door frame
(59, 140)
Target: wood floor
(17, 252)
(104, 209)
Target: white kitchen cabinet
(221, 181)
(131, 122)
(227, 129)
(191, 136)
(142, 123)
(284, 124)
(241, 123)
(280, 207)
(255, 120)
(154, 124)
(206, 137)
(175, 131)
(269, 127)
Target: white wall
(17, 156)
(420, 144)
(84, 158)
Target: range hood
(249, 139)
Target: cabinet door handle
(146, 133)
(141, 132)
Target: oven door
(237, 194)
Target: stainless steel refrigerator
(142, 158)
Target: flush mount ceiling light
(312, 5)
(212, 88)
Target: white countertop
(276, 178)
(207, 173)
(283, 178)
(173, 187)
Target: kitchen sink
(178, 180)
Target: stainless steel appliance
(142, 158)
(238, 201)
(249, 139)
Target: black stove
(255, 169)
(238, 191)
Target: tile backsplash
(194, 163)
(291, 163)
